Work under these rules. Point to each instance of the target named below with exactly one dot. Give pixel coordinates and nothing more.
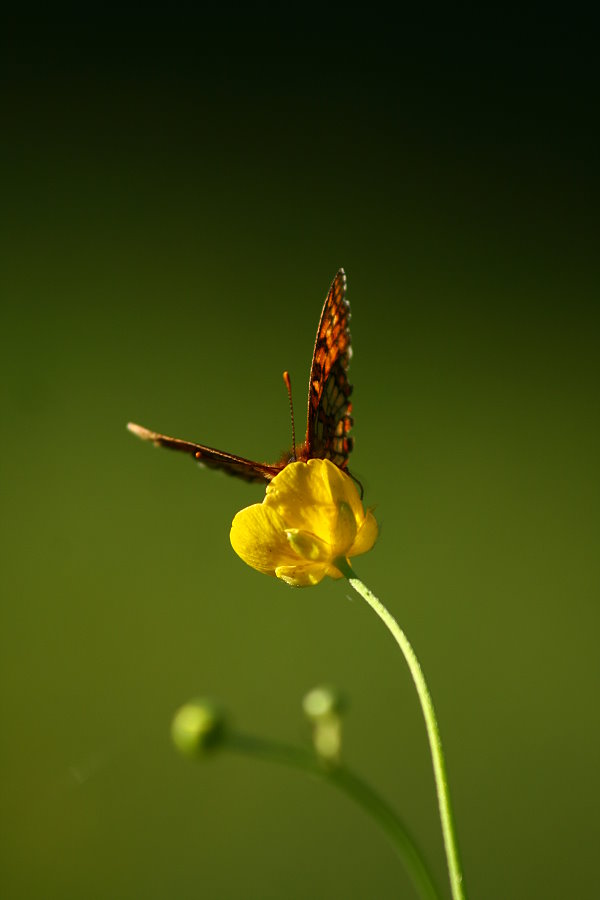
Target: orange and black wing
(329, 407)
(213, 459)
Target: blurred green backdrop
(176, 201)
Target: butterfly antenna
(288, 384)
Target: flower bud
(198, 727)
(322, 702)
(323, 706)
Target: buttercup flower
(311, 516)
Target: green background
(177, 198)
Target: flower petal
(345, 530)
(366, 536)
(301, 497)
(258, 537)
(308, 546)
(341, 487)
(303, 575)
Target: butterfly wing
(213, 459)
(329, 407)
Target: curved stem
(433, 731)
(354, 787)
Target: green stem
(433, 731)
(354, 787)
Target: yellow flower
(311, 516)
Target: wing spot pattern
(329, 408)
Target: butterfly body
(329, 407)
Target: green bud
(323, 707)
(323, 702)
(198, 728)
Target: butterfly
(329, 407)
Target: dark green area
(176, 201)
